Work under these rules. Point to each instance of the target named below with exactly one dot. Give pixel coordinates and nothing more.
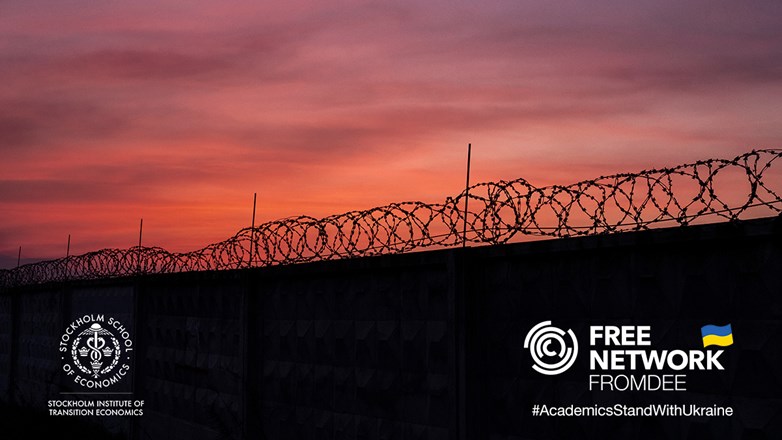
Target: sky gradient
(177, 111)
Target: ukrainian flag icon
(716, 335)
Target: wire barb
(500, 212)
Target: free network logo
(552, 349)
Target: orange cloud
(115, 111)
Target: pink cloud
(115, 111)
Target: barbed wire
(500, 212)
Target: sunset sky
(178, 111)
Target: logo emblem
(96, 351)
(93, 354)
(552, 349)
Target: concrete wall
(418, 346)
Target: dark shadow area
(24, 423)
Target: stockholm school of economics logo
(96, 351)
(552, 349)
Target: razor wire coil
(499, 212)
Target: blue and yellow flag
(716, 335)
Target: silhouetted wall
(418, 346)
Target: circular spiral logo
(549, 348)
